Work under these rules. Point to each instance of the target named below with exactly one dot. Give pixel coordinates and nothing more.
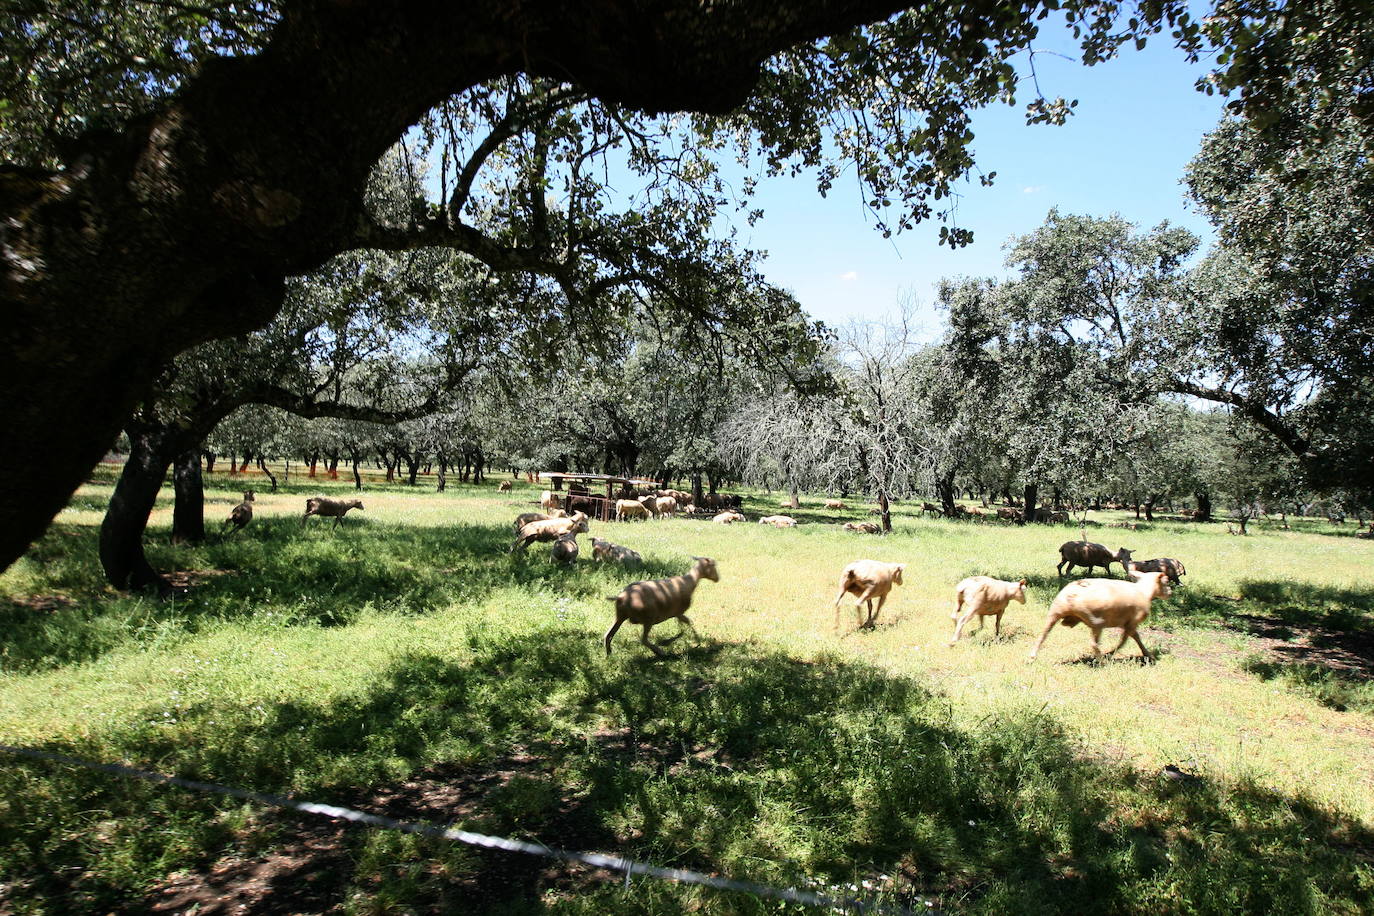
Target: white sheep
(605, 551)
(630, 508)
(1102, 603)
(728, 518)
(868, 579)
(835, 504)
(549, 500)
(565, 549)
(665, 505)
(652, 602)
(325, 507)
(549, 529)
(984, 596)
(779, 521)
(524, 518)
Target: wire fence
(628, 867)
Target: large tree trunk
(121, 531)
(944, 487)
(1031, 493)
(1204, 507)
(188, 512)
(886, 511)
(698, 497)
(793, 500)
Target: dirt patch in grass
(184, 579)
(313, 862)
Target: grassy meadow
(407, 664)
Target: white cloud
(1032, 189)
(850, 275)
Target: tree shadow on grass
(304, 578)
(1297, 622)
(730, 760)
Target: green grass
(408, 664)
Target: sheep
(1088, 555)
(630, 508)
(926, 509)
(605, 551)
(728, 518)
(652, 602)
(1167, 565)
(503, 486)
(1106, 603)
(835, 504)
(868, 579)
(779, 521)
(984, 596)
(665, 505)
(565, 549)
(865, 527)
(524, 518)
(1008, 514)
(325, 507)
(550, 500)
(549, 529)
(240, 515)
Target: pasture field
(407, 664)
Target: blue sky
(1139, 121)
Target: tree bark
(188, 512)
(885, 508)
(698, 497)
(121, 531)
(793, 501)
(1204, 507)
(945, 488)
(443, 475)
(1031, 493)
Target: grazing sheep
(1167, 565)
(868, 579)
(665, 505)
(503, 486)
(325, 507)
(984, 596)
(926, 508)
(524, 518)
(630, 508)
(728, 518)
(605, 551)
(549, 529)
(240, 515)
(652, 602)
(835, 504)
(1008, 514)
(549, 500)
(1088, 555)
(865, 527)
(565, 549)
(1104, 603)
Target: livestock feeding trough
(603, 507)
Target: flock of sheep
(1098, 603)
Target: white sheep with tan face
(868, 579)
(651, 602)
(984, 596)
(1102, 603)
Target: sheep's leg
(610, 634)
(838, 599)
(958, 605)
(1125, 635)
(866, 596)
(1144, 653)
(1060, 568)
(873, 615)
(959, 627)
(1097, 640)
(644, 638)
(1049, 625)
(997, 631)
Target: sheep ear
(1023, 583)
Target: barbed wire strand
(613, 863)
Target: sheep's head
(1020, 593)
(248, 496)
(1124, 556)
(897, 573)
(357, 503)
(1157, 583)
(706, 568)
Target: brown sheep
(565, 549)
(240, 515)
(549, 500)
(984, 596)
(630, 508)
(503, 486)
(1088, 555)
(1167, 565)
(652, 602)
(868, 579)
(835, 504)
(865, 527)
(524, 518)
(325, 507)
(1102, 603)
